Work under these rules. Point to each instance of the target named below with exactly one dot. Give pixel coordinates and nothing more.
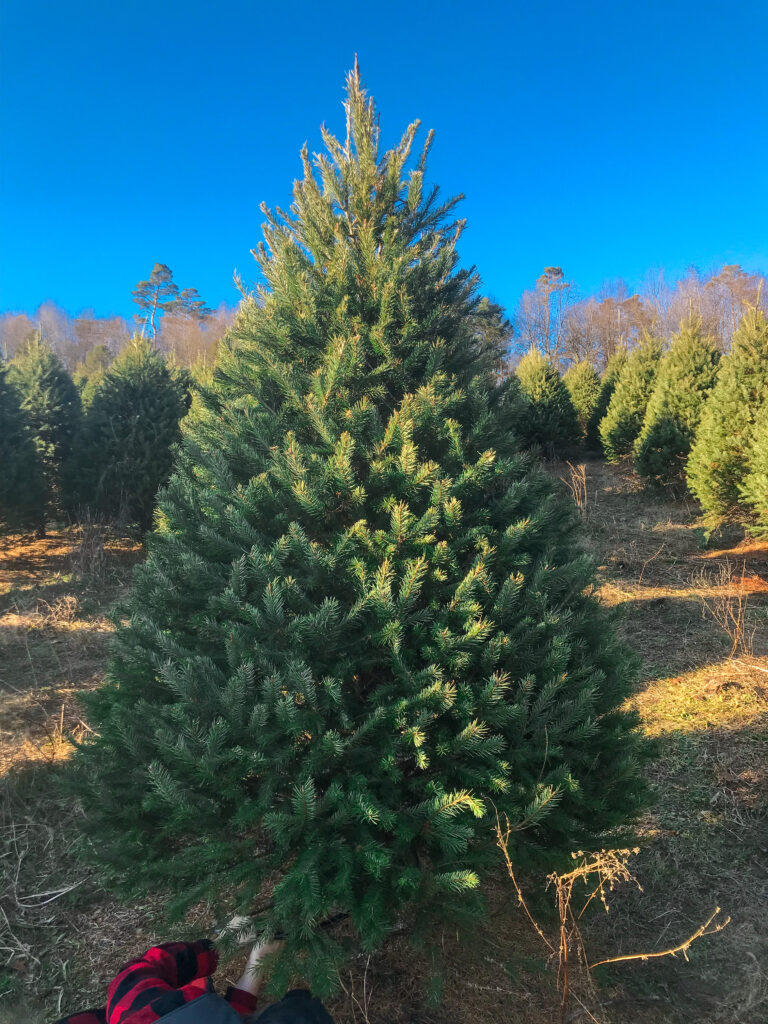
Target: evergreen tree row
(103, 449)
(685, 416)
(691, 418)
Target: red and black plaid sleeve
(161, 980)
(241, 1002)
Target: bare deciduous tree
(541, 318)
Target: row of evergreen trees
(103, 448)
(102, 444)
(687, 416)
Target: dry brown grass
(704, 843)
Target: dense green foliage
(365, 621)
(585, 389)
(686, 375)
(51, 404)
(131, 422)
(607, 387)
(718, 463)
(755, 487)
(626, 410)
(22, 490)
(90, 371)
(550, 420)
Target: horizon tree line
(554, 316)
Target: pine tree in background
(624, 419)
(755, 487)
(718, 463)
(550, 422)
(607, 386)
(687, 373)
(131, 422)
(584, 387)
(365, 619)
(22, 490)
(51, 404)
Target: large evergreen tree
(365, 618)
(686, 375)
(131, 422)
(550, 423)
(624, 419)
(755, 487)
(51, 404)
(584, 387)
(607, 386)
(718, 462)
(22, 490)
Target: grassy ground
(696, 610)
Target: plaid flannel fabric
(163, 979)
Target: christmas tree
(365, 620)
(624, 419)
(22, 491)
(584, 387)
(686, 375)
(717, 465)
(550, 422)
(131, 422)
(755, 487)
(51, 404)
(607, 386)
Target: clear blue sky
(604, 137)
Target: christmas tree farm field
(695, 610)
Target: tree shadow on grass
(63, 938)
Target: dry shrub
(89, 556)
(63, 611)
(595, 875)
(576, 482)
(724, 595)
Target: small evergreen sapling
(718, 462)
(51, 404)
(22, 490)
(686, 375)
(124, 452)
(607, 387)
(584, 387)
(551, 421)
(623, 421)
(365, 619)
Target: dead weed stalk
(600, 873)
(360, 1004)
(576, 482)
(88, 557)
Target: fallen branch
(673, 951)
(746, 664)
